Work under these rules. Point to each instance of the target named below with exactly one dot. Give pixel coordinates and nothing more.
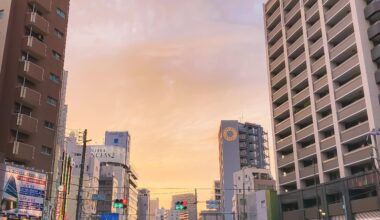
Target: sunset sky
(167, 71)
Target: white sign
(106, 153)
(212, 204)
(23, 192)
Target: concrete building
(240, 145)
(32, 51)
(132, 194)
(176, 215)
(161, 214)
(191, 212)
(211, 215)
(143, 207)
(121, 139)
(246, 181)
(108, 187)
(154, 205)
(324, 91)
(217, 191)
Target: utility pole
(79, 197)
(244, 214)
(196, 202)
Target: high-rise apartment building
(324, 76)
(154, 205)
(143, 208)
(240, 145)
(32, 50)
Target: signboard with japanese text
(23, 192)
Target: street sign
(212, 204)
(98, 197)
(110, 216)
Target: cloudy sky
(167, 71)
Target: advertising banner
(23, 192)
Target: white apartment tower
(323, 61)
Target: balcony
(295, 47)
(307, 151)
(294, 214)
(330, 164)
(38, 23)
(281, 109)
(375, 53)
(322, 102)
(291, 16)
(35, 47)
(29, 96)
(314, 32)
(32, 71)
(349, 88)
(326, 122)
(320, 83)
(335, 209)
(342, 28)
(304, 113)
(337, 11)
(311, 213)
(20, 151)
(343, 49)
(365, 205)
(300, 78)
(308, 171)
(316, 47)
(282, 126)
(372, 11)
(305, 132)
(347, 67)
(285, 142)
(358, 155)
(290, 177)
(277, 63)
(270, 5)
(25, 123)
(312, 13)
(352, 109)
(318, 65)
(295, 31)
(355, 132)
(287, 159)
(278, 78)
(327, 143)
(275, 34)
(299, 97)
(274, 18)
(295, 64)
(280, 93)
(276, 49)
(44, 5)
(374, 32)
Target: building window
(49, 125)
(54, 78)
(52, 101)
(46, 150)
(56, 55)
(116, 141)
(1, 13)
(61, 13)
(58, 33)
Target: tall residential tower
(240, 145)
(323, 61)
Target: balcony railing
(348, 66)
(359, 155)
(305, 132)
(20, 151)
(29, 96)
(285, 160)
(330, 164)
(304, 113)
(25, 123)
(278, 78)
(322, 102)
(355, 131)
(281, 109)
(320, 83)
(327, 143)
(349, 88)
(282, 125)
(290, 177)
(285, 142)
(308, 171)
(38, 23)
(35, 47)
(307, 151)
(352, 109)
(44, 5)
(325, 122)
(32, 71)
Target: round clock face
(230, 134)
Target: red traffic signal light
(125, 203)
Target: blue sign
(110, 216)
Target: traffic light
(120, 203)
(181, 205)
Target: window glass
(52, 101)
(46, 150)
(54, 78)
(61, 13)
(58, 33)
(49, 125)
(56, 55)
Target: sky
(167, 71)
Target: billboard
(23, 192)
(106, 153)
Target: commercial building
(324, 91)
(247, 181)
(108, 188)
(32, 51)
(132, 194)
(161, 214)
(143, 207)
(191, 212)
(240, 145)
(154, 205)
(217, 191)
(121, 139)
(211, 215)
